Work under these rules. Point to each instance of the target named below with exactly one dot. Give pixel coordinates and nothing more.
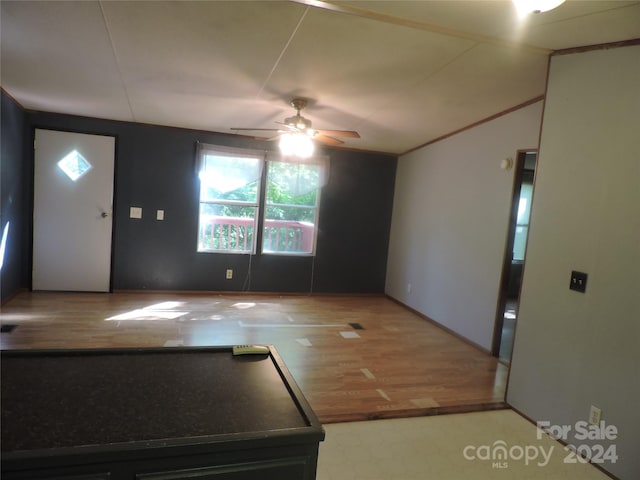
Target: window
(229, 199)
(522, 222)
(231, 202)
(292, 202)
(74, 165)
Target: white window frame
(321, 161)
(215, 150)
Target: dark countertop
(97, 397)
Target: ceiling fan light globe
(286, 144)
(525, 7)
(296, 144)
(303, 123)
(306, 147)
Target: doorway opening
(509, 296)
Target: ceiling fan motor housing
(297, 125)
(299, 122)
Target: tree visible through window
(291, 206)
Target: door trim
(508, 252)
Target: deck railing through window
(235, 234)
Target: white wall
(450, 220)
(573, 350)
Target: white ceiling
(401, 73)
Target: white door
(73, 197)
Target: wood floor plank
(414, 367)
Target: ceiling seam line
(117, 59)
(338, 7)
(282, 52)
(419, 82)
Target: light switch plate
(135, 212)
(160, 215)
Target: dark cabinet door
(290, 468)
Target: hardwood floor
(354, 357)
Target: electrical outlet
(595, 415)
(229, 274)
(408, 288)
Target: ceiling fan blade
(340, 133)
(255, 129)
(291, 128)
(327, 139)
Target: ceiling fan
(299, 124)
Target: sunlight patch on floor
(164, 306)
(243, 305)
(145, 314)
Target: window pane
(229, 178)
(291, 214)
(522, 222)
(288, 230)
(248, 193)
(291, 210)
(520, 243)
(226, 228)
(278, 195)
(293, 183)
(524, 206)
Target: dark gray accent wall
(155, 169)
(355, 222)
(15, 176)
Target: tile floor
(434, 448)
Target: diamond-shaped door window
(74, 165)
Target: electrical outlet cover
(578, 281)
(595, 415)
